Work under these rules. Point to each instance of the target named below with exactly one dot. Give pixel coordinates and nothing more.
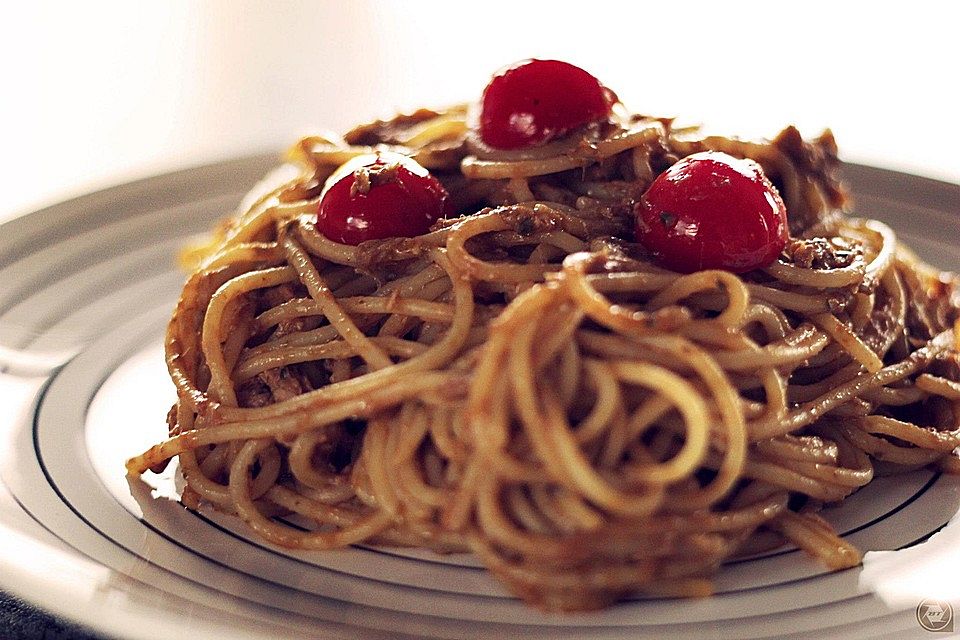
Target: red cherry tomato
(535, 101)
(384, 195)
(712, 211)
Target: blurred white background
(97, 93)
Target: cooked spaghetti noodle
(524, 383)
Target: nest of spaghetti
(526, 384)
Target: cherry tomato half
(712, 211)
(535, 101)
(384, 195)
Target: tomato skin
(712, 211)
(383, 195)
(535, 101)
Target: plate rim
(24, 232)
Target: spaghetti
(525, 383)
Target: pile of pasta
(525, 383)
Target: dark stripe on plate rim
(919, 493)
(772, 554)
(922, 490)
(41, 397)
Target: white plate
(87, 288)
